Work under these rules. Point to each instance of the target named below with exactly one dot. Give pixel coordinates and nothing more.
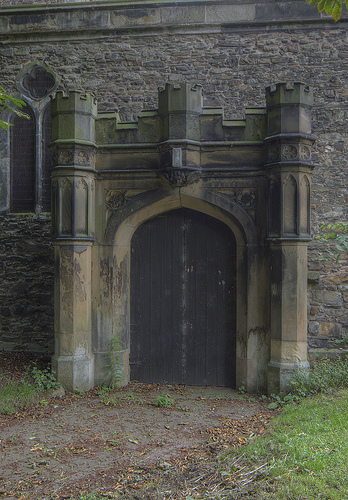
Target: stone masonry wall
(234, 63)
(26, 288)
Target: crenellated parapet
(176, 140)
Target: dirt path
(123, 446)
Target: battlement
(283, 94)
(74, 102)
(180, 97)
(73, 117)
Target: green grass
(91, 496)
(17, 395)
(324, 375)
(305, 453)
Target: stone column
(73, 181)
(289, 168)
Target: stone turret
(73, 118)
(289, 108)
(179, 107)
(289, 168)
(73, 181)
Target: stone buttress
(289, 169)
(73, 184)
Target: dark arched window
(30, 138)
(23, 171)
(46, 160)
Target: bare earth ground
(122, 446)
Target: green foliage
(164, 401)
(337, 233)
(304, 453)
(331, 7)
(92, 496)
(277, 401)
(343, 341)
(323, 376)
(12, 104)
(43, 379)
(17, 395)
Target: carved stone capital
(288, 152)
(73, 156)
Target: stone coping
(135, 15)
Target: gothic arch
(126, 220)
(113, 316)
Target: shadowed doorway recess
(183, 268)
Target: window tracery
(30, 154)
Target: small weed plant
(164, 402)
(277, 401)
(336, 235)
(342, 342)
(43, 379)
(17, 395)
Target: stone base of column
(75, 373)
(107, 370)
(280, 376)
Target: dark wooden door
(183, 300)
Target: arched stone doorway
(109, 178)
(183, 300)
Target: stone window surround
(38, 107)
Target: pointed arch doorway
(183, 296)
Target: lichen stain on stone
(258, 343)
(80, 350)
(106, 275)
(118, 282)
(79, 284)
(77, 267)
(80, 252)
(242, 344)
(119, 274)
(65, 272)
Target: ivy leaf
(337, 11)
(331, 7)
(322, 5)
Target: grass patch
(17, 395)
(304, 455)
(324, 375)
(92, 496)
